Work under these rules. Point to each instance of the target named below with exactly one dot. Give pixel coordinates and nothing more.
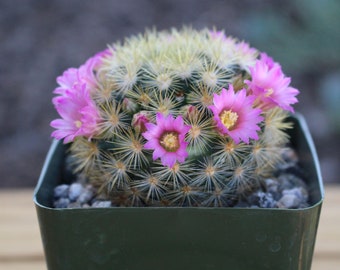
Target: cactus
(175, 118)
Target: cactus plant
(175, 118)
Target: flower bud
(139, 120)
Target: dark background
(40, 39)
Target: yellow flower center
(170, 141)
(228, 118)
(78, 123)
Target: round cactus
(178, 118)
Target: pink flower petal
(270, 86)
(169, 159)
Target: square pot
(170, 238)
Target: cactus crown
(180, 117)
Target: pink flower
(98, 57)
(67, 80)
(79, 114)
(140, 120)
(235, 116)
(86, 73)
(268, 61)
(166, 138)
(270, 86)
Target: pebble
(86, 196)
(78, 195)
(75, 195)
(61, 191)
(289, 201)
(102, 204)
(61, 203)
(299, 192)
(75, 190)
(262, 199)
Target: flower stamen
(170, 141)
(228, 118)
(78, 123)
(269, 92)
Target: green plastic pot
(180, 238)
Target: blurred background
(40, 39)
